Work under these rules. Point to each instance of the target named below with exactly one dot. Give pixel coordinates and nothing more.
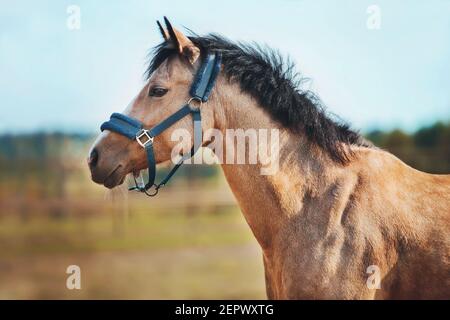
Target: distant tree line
(427, 149)
(48, 156)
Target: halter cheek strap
(133, 129)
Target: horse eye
(157, 92)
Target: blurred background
(66, 66)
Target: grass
(190, 242)
(163, 254)
(139, 232)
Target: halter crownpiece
(133, 129)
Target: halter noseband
(133, 129)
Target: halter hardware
(141, 134)
(133, 129)
(195, 99)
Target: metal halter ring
(141, 134)
(154, 193)
(139, 188)
(195, 99)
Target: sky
(384, 69)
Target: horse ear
(182, 43)
(164, 33)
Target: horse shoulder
(412, 210)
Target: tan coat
(320, 224)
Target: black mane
(272, 81)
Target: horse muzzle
(106, 168)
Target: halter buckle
(144, 134)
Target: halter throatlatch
(133, 129)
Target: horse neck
(267, 201)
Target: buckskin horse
(336, 206)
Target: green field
(153, 255)
(189, 242)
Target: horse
(339, 219)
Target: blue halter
(133, 129)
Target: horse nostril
(93, 158)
